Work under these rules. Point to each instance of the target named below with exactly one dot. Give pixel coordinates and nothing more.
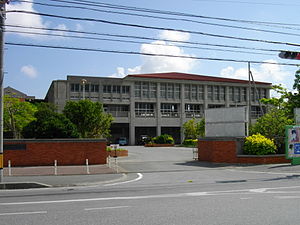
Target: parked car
(123, 141)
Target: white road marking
(176, 195)
(287, 197)
(264, 172)
(113, 207)
(140, 176)
(22, 213)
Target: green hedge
(257, 144)
(190, 142)
(163, 139)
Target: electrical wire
(164, 18)
(153, 27)
(133, 42)
(145, 54)
(145, 38)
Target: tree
(89, 118)
(288, 100)
(272, 125)
(193, 129)
(50, 124)
(17, 115)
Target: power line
(131, 8)
(146, 38)
(152, 27)
(133, 42)
(164, 18)
(145, 54)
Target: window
(75, 87)
(222, 93)
(117, 110)
(137, 89)
(169, 110)
(237, 93)
(187, 91)
(200, 92)
(145, 90)
(153, 90)
(144, 110)
(125, 89)
(116, 89)
(177, 91)
(231, 94)
(210, 92)
(216, 93)
(244, 94)
(170, 90)
(163, 90)
(94, 87)
(194, 110)
(194, 92)
(106, 89)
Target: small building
(17, 94)
(158, 103)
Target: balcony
(119, 113)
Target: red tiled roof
(186, 76)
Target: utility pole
(249, 99)
(2, 19)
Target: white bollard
(9, 168)
(87, 166)
(55, 167)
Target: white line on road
(175, 195)
(22, 213)
(287, 197)
(140, 176)
(113, 207)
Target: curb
(28, 185)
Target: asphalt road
(187, 193)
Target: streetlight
(83, 82)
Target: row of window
(76, 87)
(173, 91)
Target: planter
(113, 153)
(159, 145)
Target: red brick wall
(66, 152)
(220, 150)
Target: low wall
(40, 152)
(228, 150)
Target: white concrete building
(154, 104)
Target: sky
(114, 38)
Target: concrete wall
(228, 150)
(44, 152)
(226, 122)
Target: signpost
(292, 143)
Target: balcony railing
(170, 114)
(119, 113)
(194, 115)
(144, 114)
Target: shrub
(190, 142)
(163, 139)
(259, 145)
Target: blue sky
(31, 69)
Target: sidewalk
(62, 176)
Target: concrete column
(205, 97)
(157, 111)
(132, 116)
(227, 100)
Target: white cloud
(174, 35)
(28, 20)
(120, 73)
(266, 72)
(158, 64)
(22, 19)
(29, 71)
